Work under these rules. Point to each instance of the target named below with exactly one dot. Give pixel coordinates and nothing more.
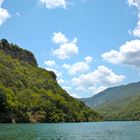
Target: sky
(91, 45)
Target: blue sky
(90, 44)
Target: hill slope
(31, 94)
(115, 103)
(130, 112)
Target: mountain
(17, 53)
(29, 93)
(117, 103)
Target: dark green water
(71, 131)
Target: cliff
(17, 53)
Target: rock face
(17, 53)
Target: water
(71, 131)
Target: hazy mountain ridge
(113, 102)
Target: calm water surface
(71, 131)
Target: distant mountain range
(117, 103)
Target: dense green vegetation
(31, 94)
(130, 112)
(118, 103)
(121, 109)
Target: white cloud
(50, 63)
(67, 48)
(112, 56)
(51, 4)
(66, 66)
(88, 59)
(91, 89)
(128, 54)
(97, 80)
(78, 67)
(4, 14)
(65, 51)
(59, 38)
(136, 3)
(75, 95)
(60, 81)
(81, 89)
(96, 89)
(136, 31)
(1, 1)
(67, 88)
(59, 74)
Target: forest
(29, 93)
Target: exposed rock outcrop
(17, 53)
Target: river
(71, 131)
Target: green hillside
(118, 103)
(131, 111)
(31, 94)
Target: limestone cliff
(17, 53)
